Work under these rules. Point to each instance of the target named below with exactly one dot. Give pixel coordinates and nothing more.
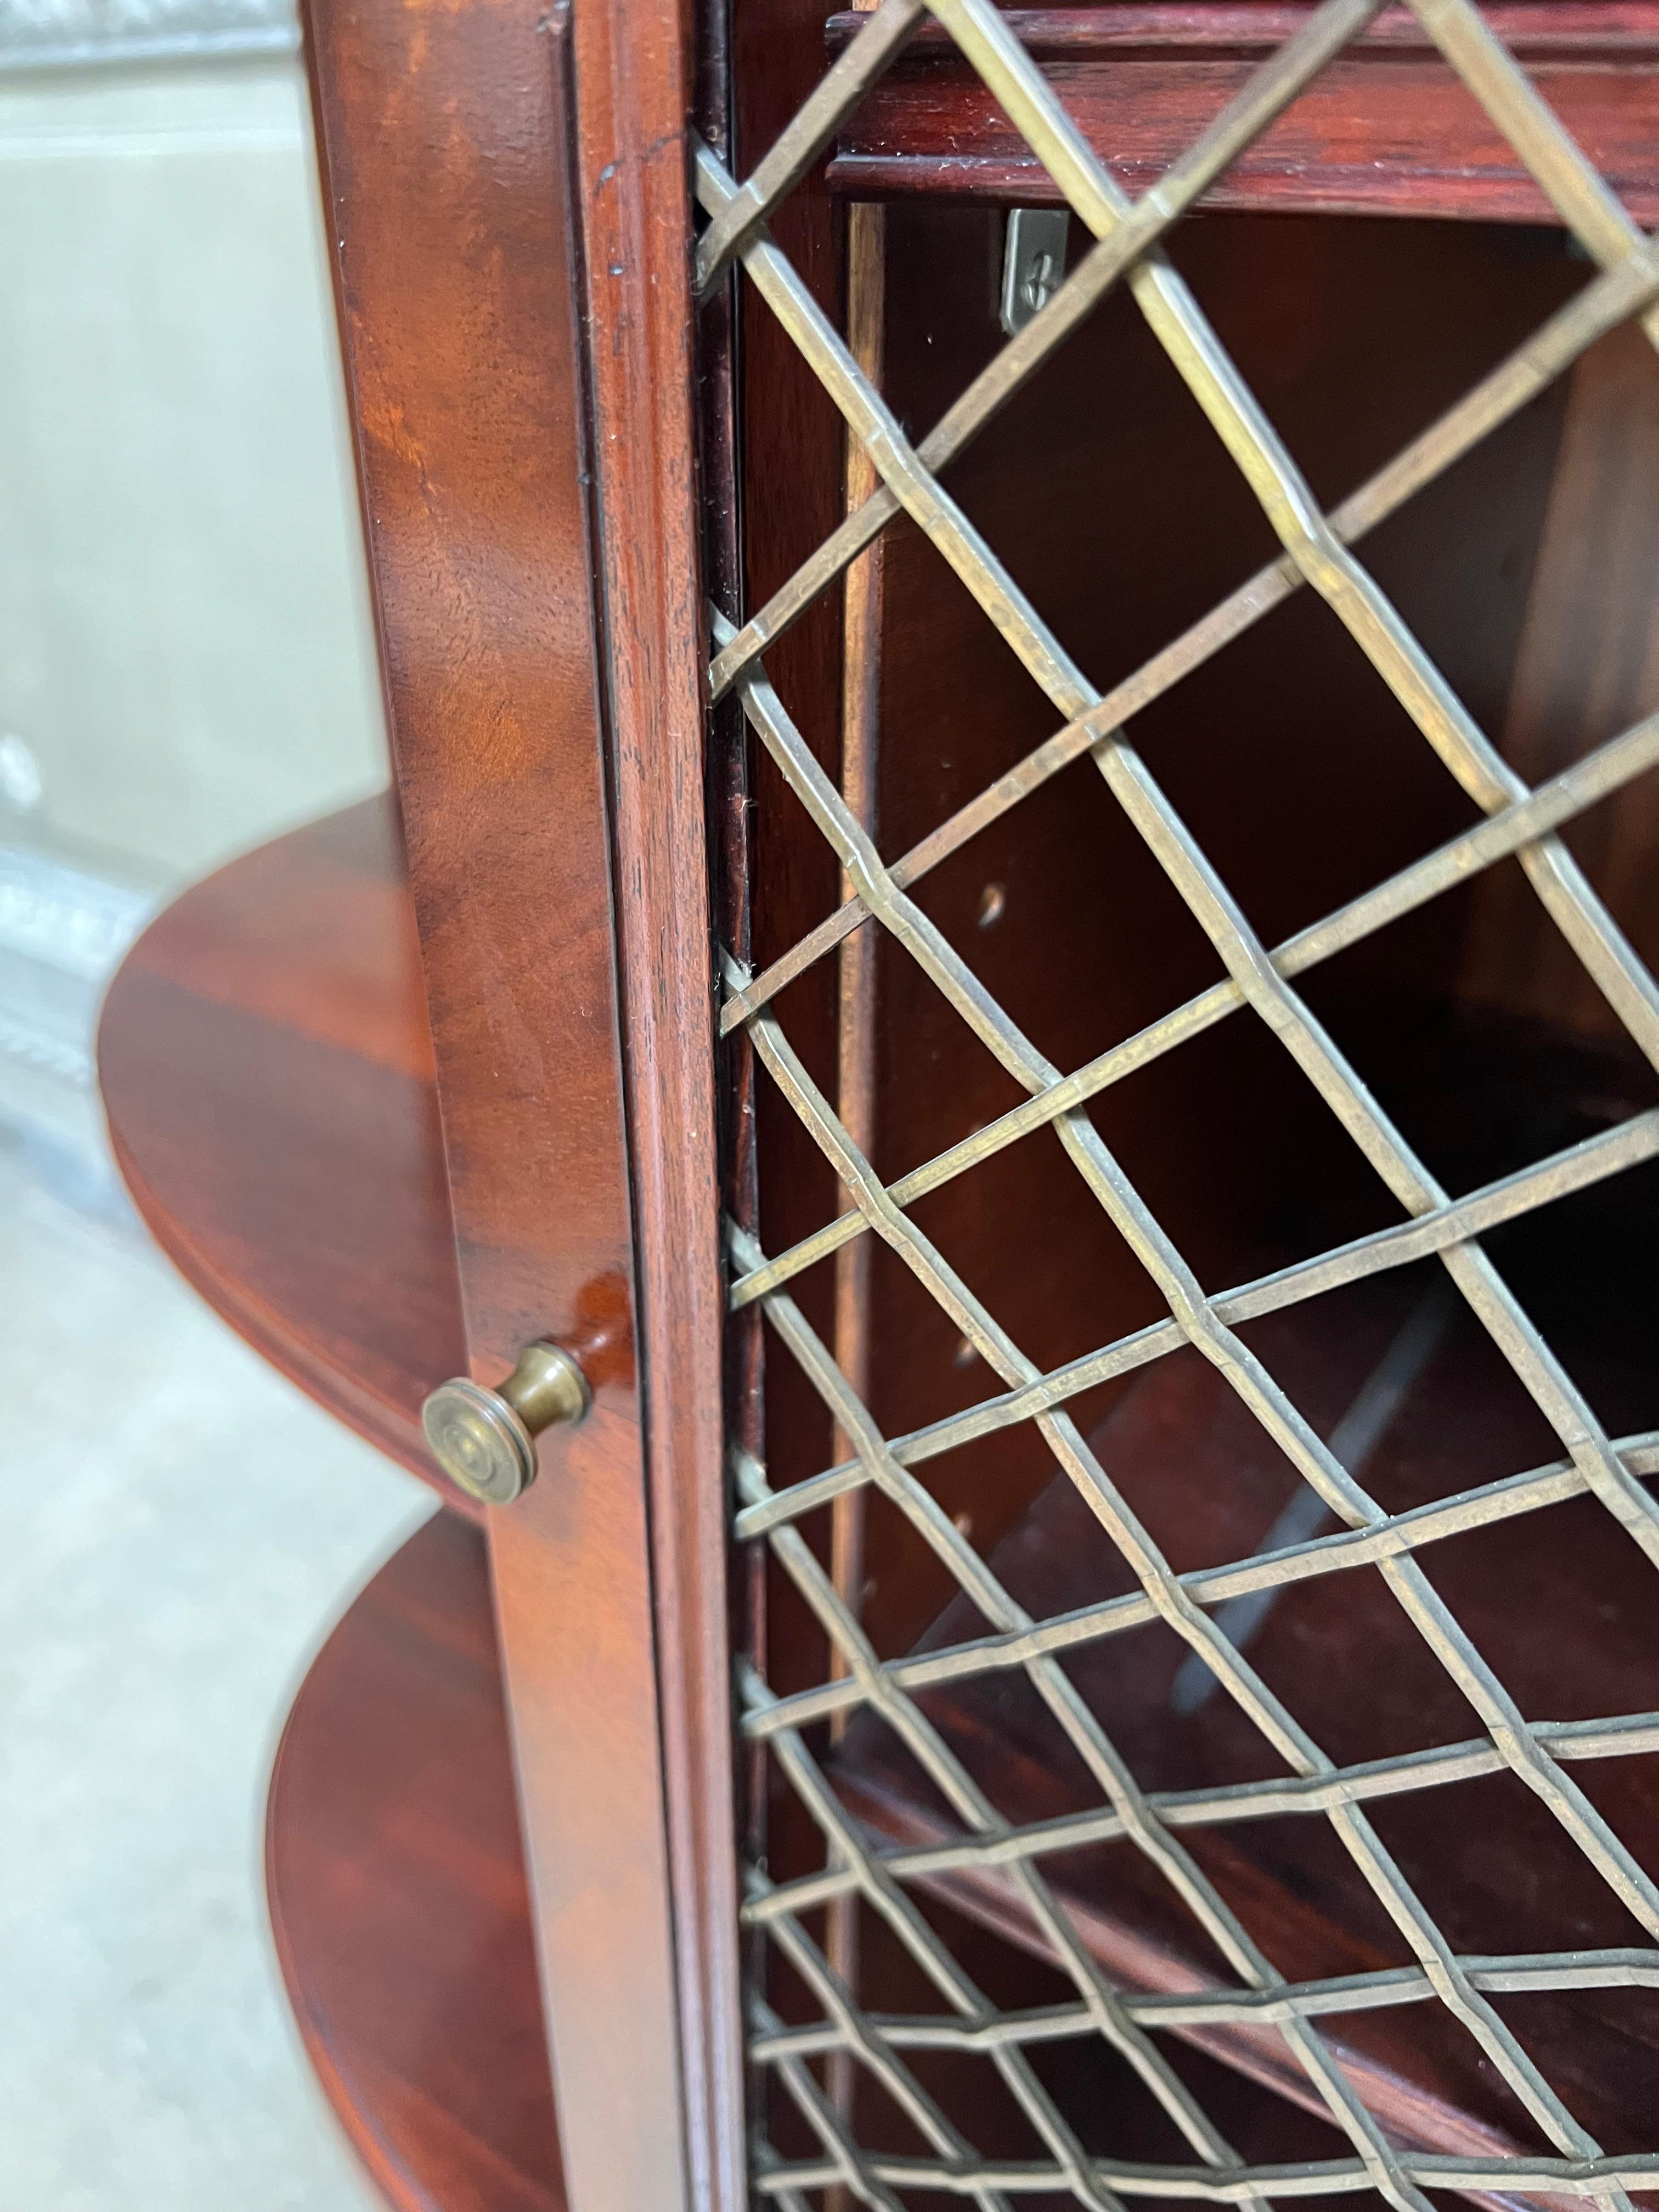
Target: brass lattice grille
(1520, 822)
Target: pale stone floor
(178, 1527)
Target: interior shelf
(397, 1897)
(268, 1076)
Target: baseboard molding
(56, 34)
(65, 924)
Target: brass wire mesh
(1520, 822)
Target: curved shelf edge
(268, 1082)
(397, 1892)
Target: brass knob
(485, 1440)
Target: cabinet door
(1030, 843)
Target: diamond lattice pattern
(1259, 983)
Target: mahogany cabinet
(1010, 975)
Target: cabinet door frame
(506, 191)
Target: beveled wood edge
(367, 2141)
(1547, 31)
(1313, 190)
(362, 2139)
(331, 1386)
(1587, 48)
(633, 76)
(328, 1384)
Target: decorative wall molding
(63, 928)
(67, 917)
(72, 33)
(65, 1059)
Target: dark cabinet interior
(1525, 569)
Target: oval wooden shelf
(396, 1890)
(268, 1078)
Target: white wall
(184, 641)
(186, 667)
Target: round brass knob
(485, 1440)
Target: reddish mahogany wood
(1387, 128)
(396, 1884)
(267, 1074)
(462, 206)
(631, 61)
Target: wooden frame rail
(509, 278)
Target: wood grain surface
(267, 1075)
(396, 1885)
(632, 66)
(1387, 128)
(450, 175)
